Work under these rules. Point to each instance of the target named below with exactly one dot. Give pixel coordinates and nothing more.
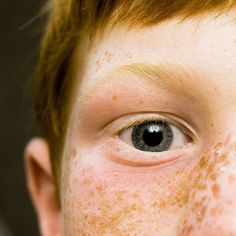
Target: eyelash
(165, 119)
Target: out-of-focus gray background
(19, 38)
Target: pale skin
(108, 186)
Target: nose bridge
(212, 200)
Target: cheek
(101, 197)
(187, 197)
(212, 198)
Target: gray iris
(152, 136)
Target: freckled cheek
(99, 193)
(107, 180)
(215, 176)
(212, 199)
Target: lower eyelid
(122, 153)
(142, 162)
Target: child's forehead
(195, 41)
(198, 55)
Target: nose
(212, 200)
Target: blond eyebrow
(165, 74)
(168, 75)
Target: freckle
(135, 195)
(155, 205)
(203, 211)
(215, 190)
(210, 168)
(204, 198)
(213, 176)
(163, 205)
(216, 211)
(203, 162)
(100, 188)
(97, 65)
(231, 202)
(202, 187)
(178, 172)
(223, 157)
(187, 229)
(232, 179)
(97, 62)
(226, 162)
(120, 194)
(114, 98)
(72, 152)
(87, 181)
(140, 102)
(232, 147)
(91, 194)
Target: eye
(154, 136)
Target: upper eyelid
(155, 117)
(141, 121)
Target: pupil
(152, 136)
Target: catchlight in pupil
(152, 136)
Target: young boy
(136, 101)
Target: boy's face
(126, 173)
(113, 184)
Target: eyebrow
(168, 75)
(165, 74)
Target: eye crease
(154, 136)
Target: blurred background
(20, 31)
